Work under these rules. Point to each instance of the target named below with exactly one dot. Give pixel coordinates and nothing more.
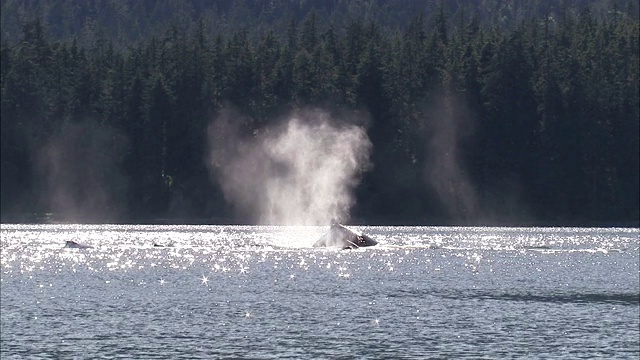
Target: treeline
(470, 122)
(125, 22)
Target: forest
(478, 112)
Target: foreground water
(264, 292)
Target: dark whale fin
(155, 244)
(74, 245)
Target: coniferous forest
(479, 112)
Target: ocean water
(248, 292)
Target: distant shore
(52, 218)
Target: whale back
(340, 236)
(74, 245)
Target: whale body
(340, 236)
(74, 245)
(159, 245)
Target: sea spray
(302, 172)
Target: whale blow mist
(80, 172)
(302, 172)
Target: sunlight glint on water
(264, 292)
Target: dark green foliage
(479, 113)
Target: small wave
(538, 247)
(573, 298)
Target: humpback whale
(340, 236)
(74, 245)
(155, 244)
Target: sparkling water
(254, 292)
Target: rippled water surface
(264, 292)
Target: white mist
(301, 173)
